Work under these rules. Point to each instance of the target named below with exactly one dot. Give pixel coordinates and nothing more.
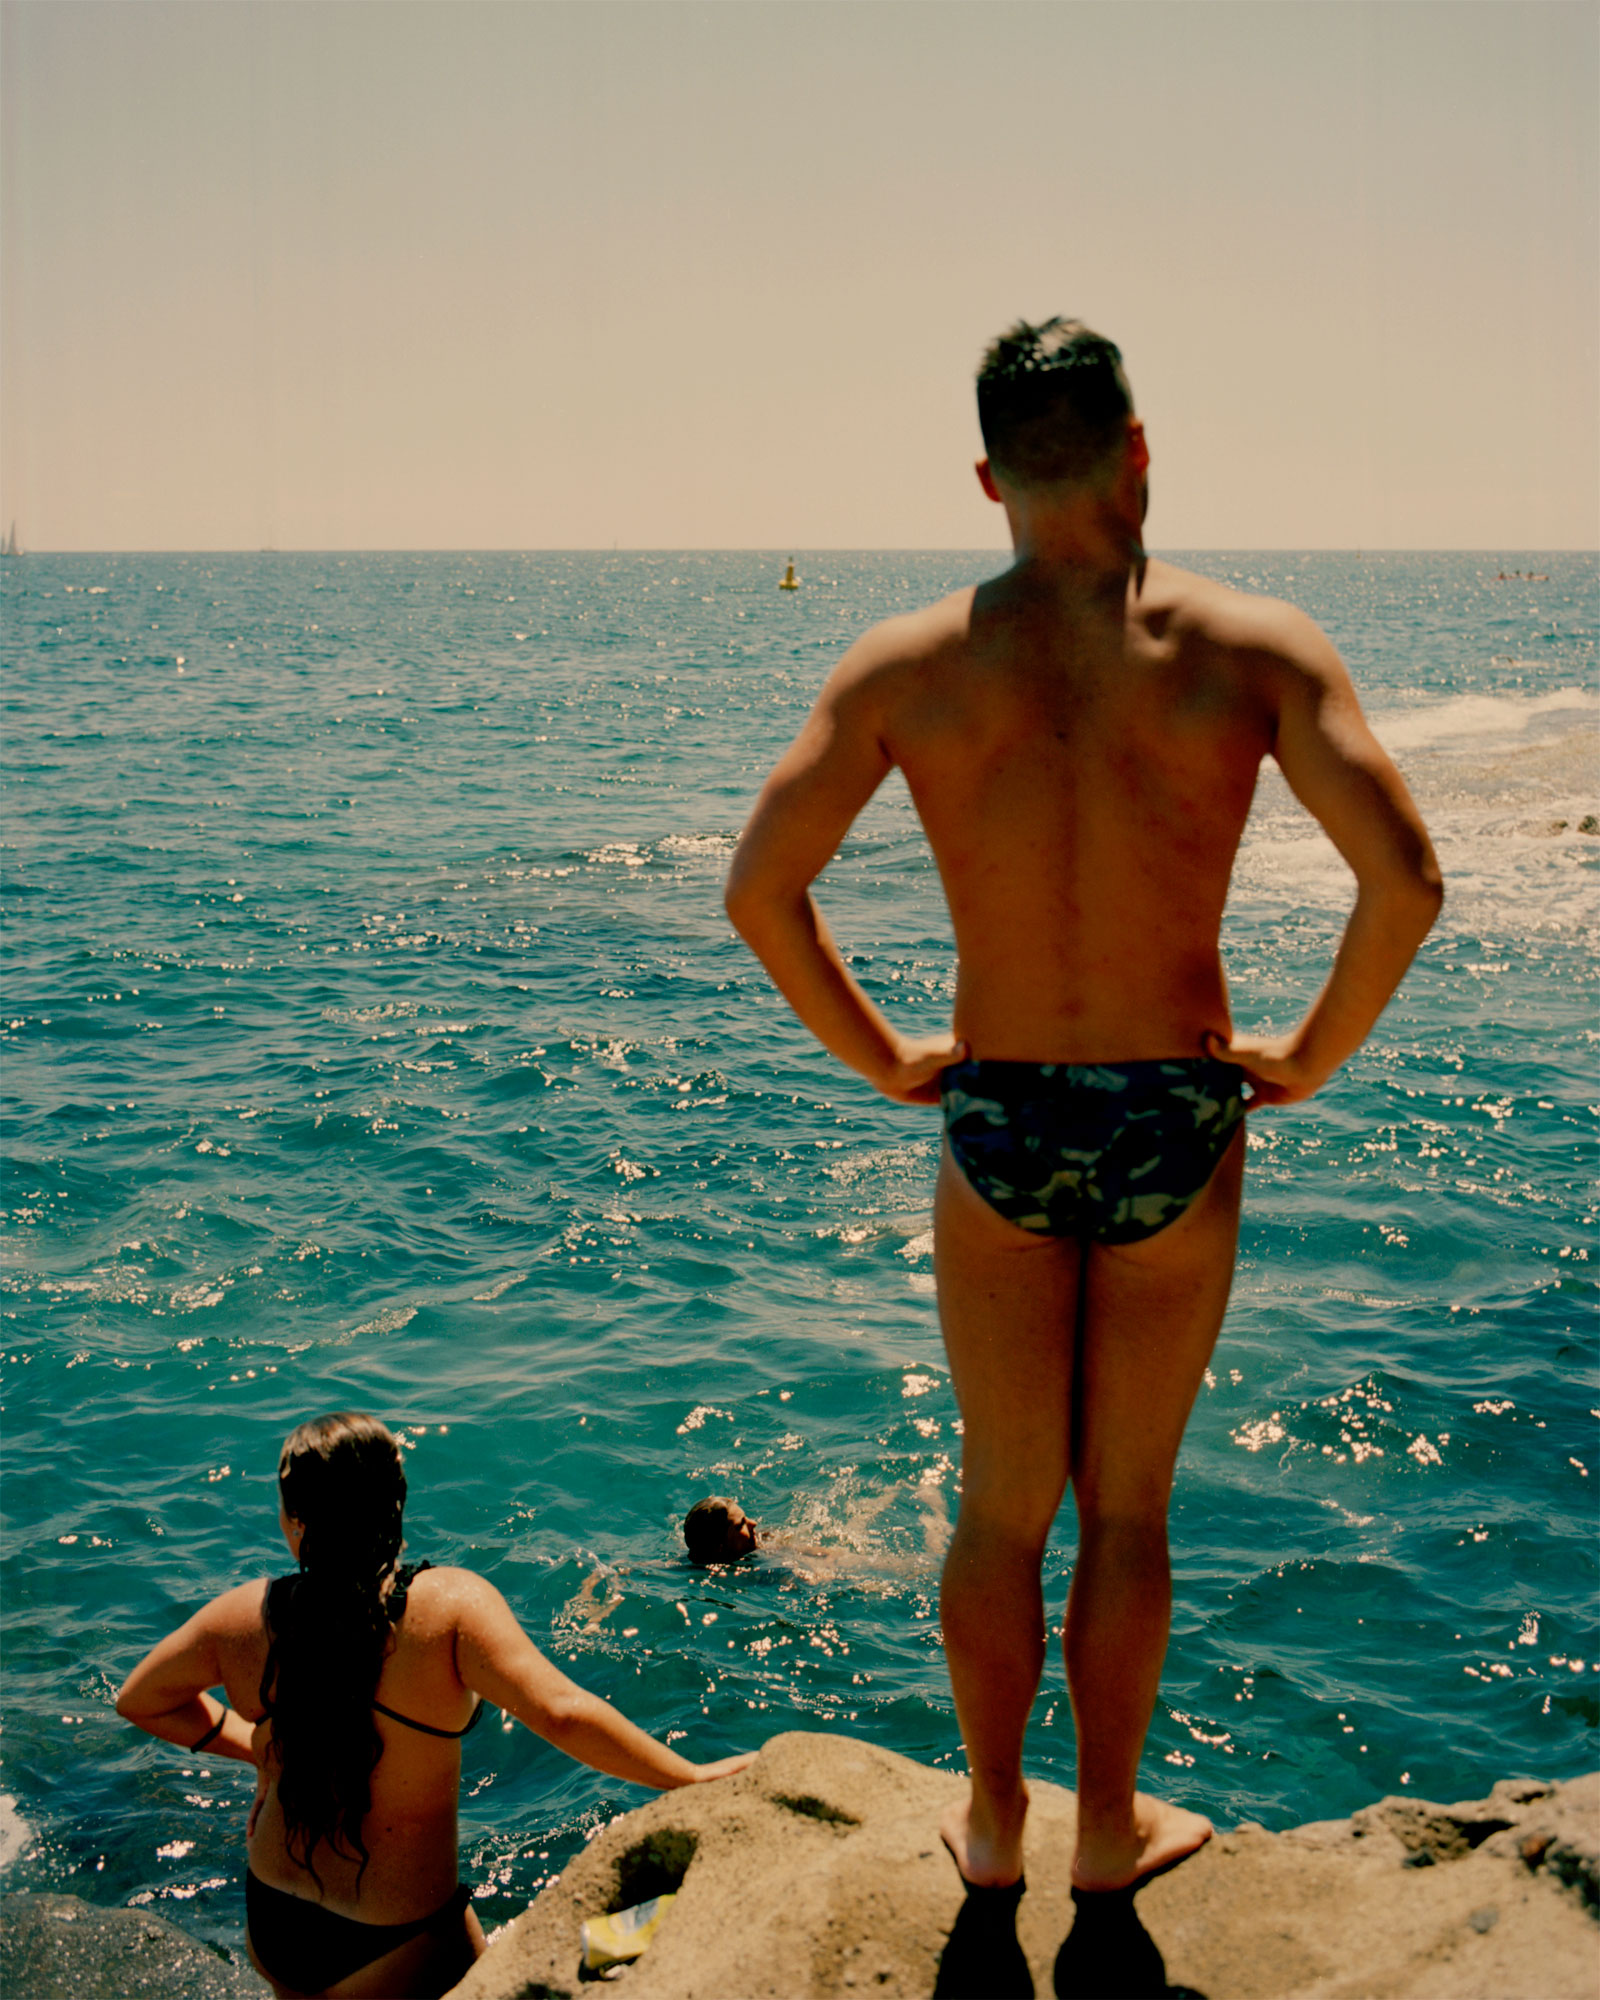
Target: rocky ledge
(62, 1948)
(819, 1872)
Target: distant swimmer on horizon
(1081, 738)
(350, 1684)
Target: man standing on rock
(1081, 738)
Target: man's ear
(1138, 448)
(986, 480)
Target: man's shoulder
(1201, 608)
(887, 666)
(913, 637)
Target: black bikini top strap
(396, 1603)
(427, 1728)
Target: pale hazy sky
(516, 273)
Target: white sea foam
(698, 846)
(390, 1320)
(192, 1298)
(1479, 720)
(119, 1283)
(1505, 873)
(500, 1285)
(388, 1010)
(1507, 785)
(15, 1832)
(697, 1416)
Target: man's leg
(1151, 1314)
(1007, 1301)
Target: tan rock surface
(819, 1872)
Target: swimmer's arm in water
(583, 1604)
(497, 1659)
(167, 1694)
(936, 1528)
(806, 807)
(1340, 772)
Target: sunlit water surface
(373, 1037)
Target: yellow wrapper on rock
(624, 1934)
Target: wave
(15, 1832)
(1506, 874)
(1476, 720)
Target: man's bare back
(1083, 762)
(1082, 752)
(1081, 737)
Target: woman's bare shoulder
(442, 1595)
(238, 1617)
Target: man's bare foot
(1162, 1835)
(986, 1857)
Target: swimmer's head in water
(1053, 403)
(342, 1483)
(718, 1531)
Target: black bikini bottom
(311, 1948)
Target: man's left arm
(1340, 773)
(806, 807)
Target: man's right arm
(806, 807)
(1340, 772)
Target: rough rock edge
(1548, 1828)
(818, 1872)
(62, 1948)
(824, 1857)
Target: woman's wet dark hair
(328, 1628)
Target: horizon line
(784, 552)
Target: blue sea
(373, 1037)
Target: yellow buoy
(790, 580)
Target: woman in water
(350, 1684)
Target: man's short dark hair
(1053, 402)
(705, 1531)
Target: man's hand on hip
(915, 1076)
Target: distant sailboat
(790, 580)
(9, 546)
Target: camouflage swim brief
(1108, 1152)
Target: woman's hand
(1275, 1065)
(914, 1078)
(724, 1767)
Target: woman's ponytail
(341, 1479)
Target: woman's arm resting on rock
(1341, 774)
(166, 1694)
(497, 1659)
(806, 808)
